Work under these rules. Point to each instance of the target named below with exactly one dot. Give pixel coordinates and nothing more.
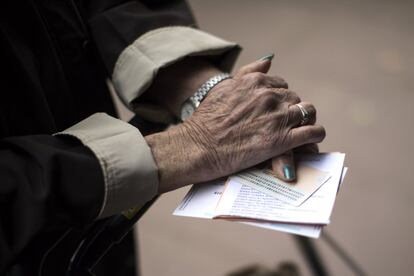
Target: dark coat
(55, 56)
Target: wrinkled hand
(243, 121)
(284, 165)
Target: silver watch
(190, 105)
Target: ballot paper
(308, 180)
(241, 201)
(232, 200)
(202, 199)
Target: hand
(242, 122)
(284, 165)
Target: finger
(306, 149)
(261, 65)
(296, 116)
(276, 82)
(269, 98)
(308, 134)
(284, 166)
(287, 95)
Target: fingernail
(288, 172)
(267, 57)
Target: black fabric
(55, 57)
(130, 19)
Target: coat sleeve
(98, 167)
(116, 24)
(136, 39)
(46, 182)
(101, 165)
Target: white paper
(202, 200)
(344, 172)
(242, 201)
(307, 230)
(308, 181)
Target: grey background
(354, 61)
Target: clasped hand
(245, 120)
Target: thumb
(284, 166)
(261, 65)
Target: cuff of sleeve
(128, 167)
(140, 62)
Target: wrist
(178, 82)
(173, 153)
(192, 103)
(184, 156)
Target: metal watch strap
(202, 92)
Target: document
(308, 180)
(234, 201)
(242, 201)
(202, 199)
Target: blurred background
(353, 60)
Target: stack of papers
(258, 198)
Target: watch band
(194, 101)
(202, 92)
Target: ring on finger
(305, 115)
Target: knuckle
(256, 77)
(311, 109)
(280, 91)
(318, 133)
(269, 98)
(293, 97)
(283, 94)
(268, 94)
(282, 82)
(322, 133)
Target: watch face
(187, 110)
